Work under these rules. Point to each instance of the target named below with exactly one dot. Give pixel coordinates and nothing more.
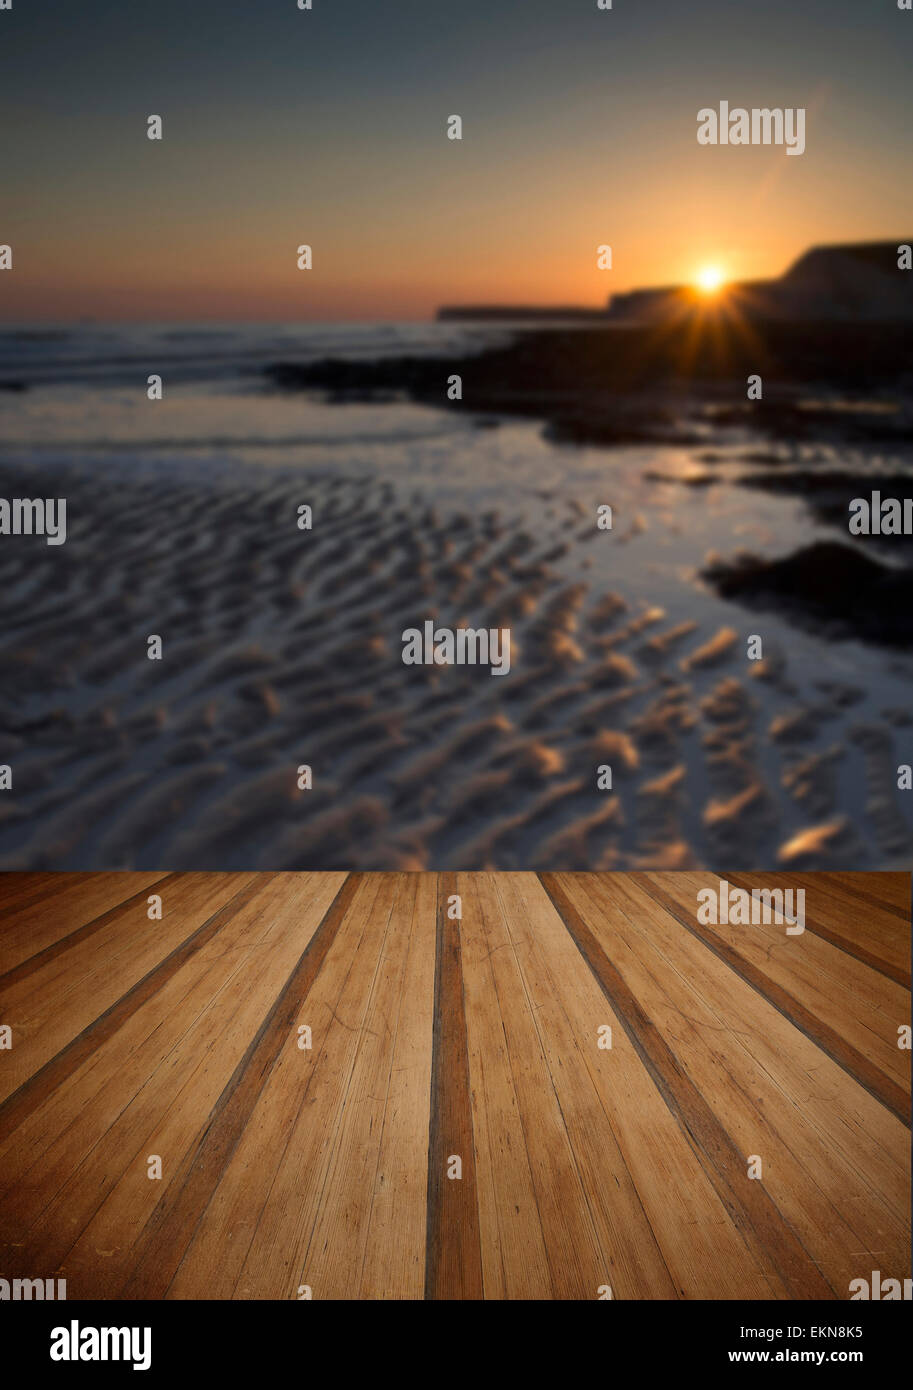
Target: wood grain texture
(858, 922)
(453, 1257)
(850, 1011)
(45, 912)
(734, 1047)
(453, 1015)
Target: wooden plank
(60, 905)
(527, 1134)
(169, 1115)
(453, 1247)
(853, 1125)
(849, 1010)
(433, 1036)
(891, 891)
(187, 1202)
(335, 1262)
(68, 994)
(831, 1203)
(19, 890)
(747, 1202)
(114, 1064)
(394, 1262)
(55, 1073)
(860, 928)
(613, 1140)
(267, 1197)
(57, 1193)
(514, 1258)
(76, 937)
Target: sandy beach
(283, 647)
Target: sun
(709, 279)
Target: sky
(328, 127)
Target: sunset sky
(328, 127)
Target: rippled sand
(283, 647)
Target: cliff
(852, 283)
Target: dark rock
(856, 596)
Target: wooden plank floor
(451, 1126)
